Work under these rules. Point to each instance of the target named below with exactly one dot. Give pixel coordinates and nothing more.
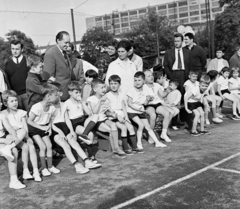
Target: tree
(228, 2)
(227, 29)
(91, 40)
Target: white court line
(174, 182)
(227, 170)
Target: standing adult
(235, 59)
(112, 50)
(137, 60)
(198, 56)
(177, 62)
(123, 67)
(17, 71)
(57, 65)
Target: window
(162, 7)
(124, 19)
(172, 11)
(98, 24)
(215, 4)
(125, 24)
(183, 9)
(183, 15)
(194, 13)
(162, 13)
(203, 6)
(108, 27)
(132, 24)
(142, 11)
(203, 12)
(173, 16)
(106, 17)
(133, 18)
(203, 17)
(182, 3)
(183, 21)
(172, 5)
(124, 30)
(98, 19)
(133, 12)
(124, 14)
(117, 26)
(142, 16)
(116, 20)
(216, 10)
(194, 19)
(195, 7)
(152, 9)
(117, 31)
(116, 15)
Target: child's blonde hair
(6, 94)
(205, 79)
(235, 70)
(33, 61)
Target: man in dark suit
(177, 62)
(57, 66)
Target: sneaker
(207, 122)
(139, 146)
(129, 152)
(195, 134)
(219, 115)
(27, 175)
(175, 128)
(37, 177)
(166, 138)
(7, 153)
(217, 120)
(120, 153)
(160, 144)
(85, 139)
(16, 184)
(81, 169)
(205, 132)
(45, 172)
(54, 170)
(234, 117)
(137, 150)
(90, 165)
(94, 161)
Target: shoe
(150, 141)
(90, 165)
(160, 144)
(219, 115)
(45, 172)
(120, 153)
(217, 120)
(166, 138)
(207, 122)
(81, 169)
(94, 161)
(16, 184)
(235, 117)
(205, 132)
(85, 139)
(129, 152)
(37, 177)
(7, 153)
(195, 134)
(54, 170)
(139, 146)
(27, 175)
(175, 128)
(137, 150)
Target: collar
(60, 50)
(176, 49)
(118, 61)
(19, 58)
(131, 56)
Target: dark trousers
(180, 76)
(22, 101)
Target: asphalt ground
(183, 175)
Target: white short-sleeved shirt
(2, 129)
(153, 91)
(74, 108)
(191, 85)
(223, 82)
(101, 114)
(196, 95)
(116, 100)
(15, 119)
(174, 97)
(59, 115)
(42, 117)
(138, 99)
(235, 84)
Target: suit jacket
(55, 65)
(77, 66)
(169, 59)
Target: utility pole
(157, 35)
(106, 23)
(208, 28)
(73, 27)
(113, 23)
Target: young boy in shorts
(138, 97)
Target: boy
(87, 89)
(192, 83)
(64, 135)
(193, 102)
(118, 110)
(34, 87)
(100, 105)
(218, 63)
(17, 119)
(161, 78)
(138, 97)
(234, 83)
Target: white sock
(164, 132)
(35, 171)
(13, 178)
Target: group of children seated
(94, 107)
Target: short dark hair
(113, 43)
(189, 35)
(76, 54)
(59, 36)
(139, 74)
(73, 85)
(193, 72)
(158, 74)
(124, 44)
(212, 74)
(237, 48)
(220, 49)
(225, 69)
(91, 74)
(176, 82)
(33, 60)
(96, 82)
(205, 79)
(114, 78)
(235, 69)
(72, 46)
(16, 42)
(58, 85)
(48, 88)
(176, 35)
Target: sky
(41, 20)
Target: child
(87, 89)
(65, 136)
(234, 83)
(100, 105)
(192, 83)
(39, 127)
(218, 63)
(34, 87)
(118, 109)
(155, 106)
(17, 119)
(161, 78)
(193, 102)
(80, 123)
(224, 93)
(137, 99)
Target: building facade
(184, 12)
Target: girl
(234, 83)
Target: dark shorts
(78, 122)
(35, 131)
(63, 126)
(194, 105)
(224, 91)
(155, 106)
(133, 115)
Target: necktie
(179, 60)
(17, 61)
(65, 57)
